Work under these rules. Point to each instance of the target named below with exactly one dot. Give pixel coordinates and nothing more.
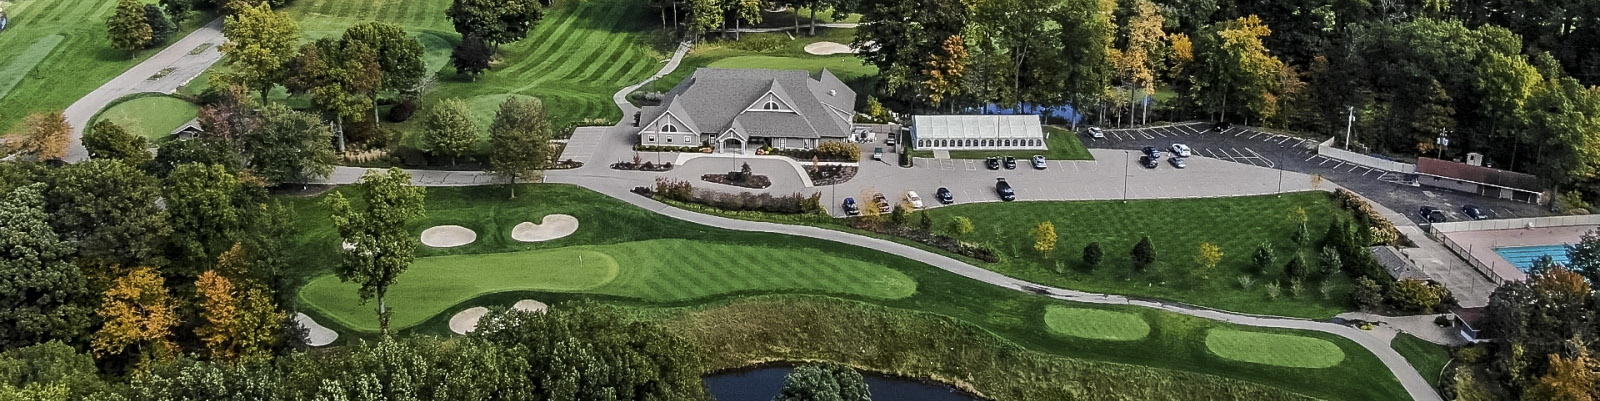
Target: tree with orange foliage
(137, 312)
(946, 69)
(45, 138)
(1568, 379)
(240, 321)
(220, 310)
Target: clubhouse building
(740, 110)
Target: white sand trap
(466, 321)
(316, 334)
(448, 236)
(528, 305)
(826, 48)
(553, 226)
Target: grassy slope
(1176, 228)
(1177, 342)
(1428, 358)
(153, 117)
(56, 51)
(791, 54)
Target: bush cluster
(683, 191)
(641, 166)
(924, 234)
(687, 149)
(1383, 231)
(830, 151)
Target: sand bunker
(553, 226)
(826, 48)
(448, 236)
(316, 334)
(528, 305)
(466, 321)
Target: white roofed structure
(977, 132)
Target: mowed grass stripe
(602, 44)
(24, 62)
(605, 58)
(559, 37)
(578, 40)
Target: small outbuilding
(977, 132)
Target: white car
(916, 201)
(1039, 162)
(1095, 132)
(1180, 150)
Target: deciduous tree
(207, 210)
(379, 247)
(1208, 257)
(1584, 256)
(138, 312)
(260, 45)
(43, 296)
(449, 129)
(1568, 379)
(519, 140)
(824, 383)
(127, 27)
(471, 57)
(107, 140)
(110, 210)
(399, 55)
(497, 22)
(289, 146)
(46, 136)
(904, 35)
(1044, 237)
(340, 76)
(960, 226)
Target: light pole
(1127, 158)
(1348, 125)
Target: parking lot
(1264, 149)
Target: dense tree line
(578, 352)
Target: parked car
(944, 196)
(1432, 214)
(1039, 162)
(1221, 126)
(1180, 150)
(916, 201)
(1473, 212)
(1147, 162)
(1004, 189)
(881, 202)
(850, 207)
(1095, 132)
(877, 153)
(1152, 152)
(1011, 163)
(993, 162)
(1177, 162)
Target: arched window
(669, 128)
(771, 105)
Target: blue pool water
(1524, 256)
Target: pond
(762, 384)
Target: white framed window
(669, 138)
(688, 138)
(771, 105)
(669, 128)
(652, 138)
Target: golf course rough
(1095, 324)
(1273, 349)
(665, 270)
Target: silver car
(1039, 162)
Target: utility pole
(1348, 126)
(1126, 159)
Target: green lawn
(1427, 357)
(1275, 349)
(1063, 144)
(656, 270)
(844, 66)
(56, 51)
(1176, 227)
(154, 117)
(789, 54)
(1095, 324)
(1175, 342)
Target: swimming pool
(1524, 256)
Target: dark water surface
(762, 384)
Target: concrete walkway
(179, 60)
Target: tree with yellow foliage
(138, 312)
(220, 310)
(1568, 379)
(45, 136)
(1209, 256)
(1044, 237)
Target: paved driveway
(1248, 146)
(164, 72)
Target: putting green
(655, 270)
(1273, 349)
(1095, 324)
(152, 117)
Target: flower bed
(831, 174)
(642, 166)
(739, 179)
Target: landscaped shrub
(683, 191)
(1367, 294)
(1143, 254)
(830, 151)
(685, 149)
(1263, 259)
(830, 174)
(402, 112)
(1092, 255)
(1415, 295)
(1383, 231)
(759, 43)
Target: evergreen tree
(1143, 254)
(1092, 255)
(161, 29)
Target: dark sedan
(1473, 212)
(1148, 162)
(1003, 188)
(1011, 163)
(944, 196)
(850, 207)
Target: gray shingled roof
(711, 99)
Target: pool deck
(1481, 244)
